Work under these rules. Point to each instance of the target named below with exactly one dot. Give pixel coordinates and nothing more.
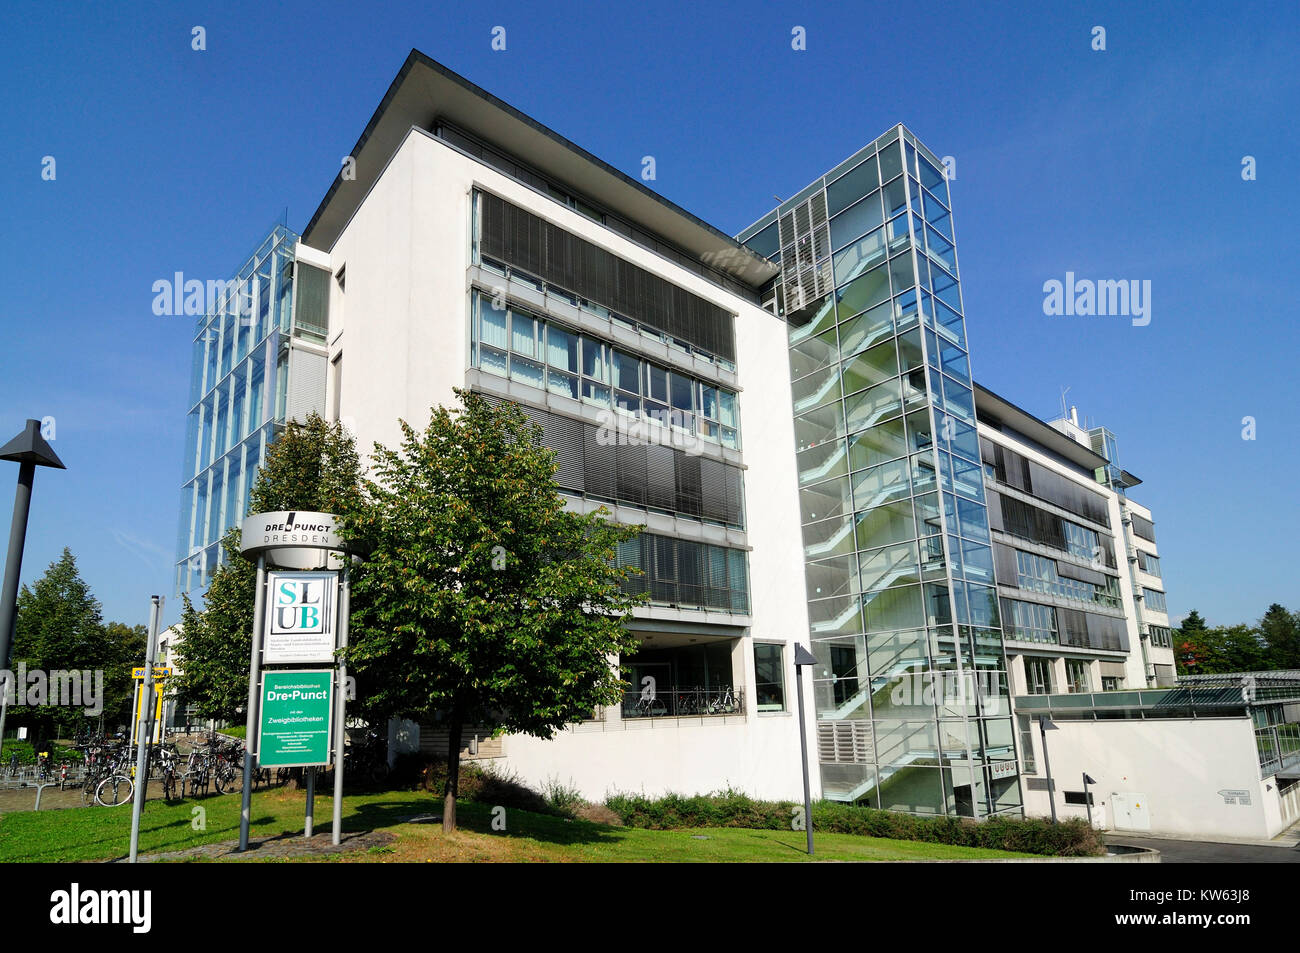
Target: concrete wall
(1179, 766)
(401, 326)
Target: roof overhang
(425, 90)
(989, 406)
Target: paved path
(276, 848)
(1202, 852)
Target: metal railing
(679, 702)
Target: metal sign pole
(1087, 798)
(254, 696)
(142, 726)
(341, 696)
(309, 820)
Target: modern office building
(788, 415)
(257, 360)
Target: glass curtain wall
(912, 705)
(237, 375)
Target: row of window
(1018, 518)
(1040, 574)
(580, 269)
(1015, 470)
(687, 574)
(511, 342)
(602, 464)
(1038, 679)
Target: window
(1110, 683)
(1153, 599)
(1038, 676)
(1076, 676)
(1144, 528)
(1149, 564)
(1029, 621)
(1160, 635)
(769, 677)
(532, 350)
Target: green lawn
(104, 833)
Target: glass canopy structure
(911, 689)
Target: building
(258, 359)
(1217, 756)
(795, 403)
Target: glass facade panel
(896, 531)
(239, 376)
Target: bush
(730, 808)
(563, 800)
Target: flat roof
(425, 90)
(989, 406)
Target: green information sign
(296, 727)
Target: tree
(481, 599)
(312, 466)
(1188, 646)
(1280, 631)
(126, 646)
(59, 627)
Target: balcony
(683, 702)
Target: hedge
(1069, 838)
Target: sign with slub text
(295, 725)
(300, 617)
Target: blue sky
(1117, 164)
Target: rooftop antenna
(1065, 410)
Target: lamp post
(1044, 726)
(29, 450)
(802, 659)
(1087, 798)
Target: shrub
(562, 799)
(730, 808)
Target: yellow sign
(157, 715)
(159, 673)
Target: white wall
(402, 327)
(1179, 765)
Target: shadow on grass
(478, 818)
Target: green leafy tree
(481, 599)
(1280, 631)
(1189, 650)
(59, 627)
(312, 466)
(126, 646)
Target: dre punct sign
(292, 539)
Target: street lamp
(802, 659)
(1044, 726)
(29, 450)
(1087, 798)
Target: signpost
(296, 707)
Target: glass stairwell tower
(913, 712)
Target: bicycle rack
(40, 787)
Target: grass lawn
(98, 833)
